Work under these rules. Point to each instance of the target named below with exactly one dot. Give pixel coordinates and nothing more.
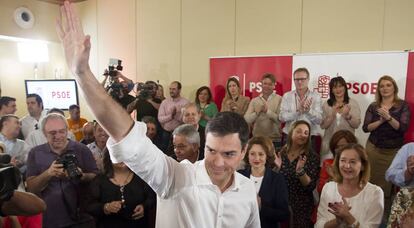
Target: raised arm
(77, 48)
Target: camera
(114, 66)
(10, 178)
(145, 90)
(70, 164)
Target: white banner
(360, 70)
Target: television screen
(55, 93)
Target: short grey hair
(189, 132)
(53, 116)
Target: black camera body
(10, 178)
(114, 66)
(145, 90)
(70, 164)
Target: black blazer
(274, 197)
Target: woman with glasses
(350, 200)
(340, 112)
(119, 198)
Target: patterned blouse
(403, 203)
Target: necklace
(122, 188)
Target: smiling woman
(350, 201)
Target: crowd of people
(191, 164)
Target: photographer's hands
(56, 170)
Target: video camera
(70, 164)
(114, 86)
(113, 67)
(10, 178)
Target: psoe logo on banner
(322, 86)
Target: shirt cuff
(123, 150)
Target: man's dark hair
(5, 100)
(56, 110)
(152, 83)
(5, 118)
(269, 76)
(225, 123)
(37, 97)
(74, 106)
(149, 119)
(178, 84)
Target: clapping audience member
(234, 101)
(338, 140)
(386, 119)
(76, 122)
(340, 112)
(169, 114)
(401, 170)
(299, 164)
(160, 93)
(271, 188)
(263, 112)
(119, 198)
(301, 104)
(204, 100)
(350, 200)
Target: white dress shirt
(28, 123)
(196, 201)
(367, 206)
(289, 113)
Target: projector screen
(55, 93)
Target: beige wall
(172, 40)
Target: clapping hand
(278, 160)
(301, 163)
(383, 113)
(339, 209)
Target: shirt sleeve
(369, 117)
(405, 118)
(324, 215)
(315, 113)
(32, 167)
(374, 209)
(395, 172)
(163, 115)
(286, 112)
(145, 159)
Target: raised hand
(301, 163)
(76, 45)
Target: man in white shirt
(301, 104)
(35, 108)
(208, 193)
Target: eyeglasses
(300, 79)
(55, 132)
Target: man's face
(74, 114)
(10, 108)
(12, 125)
(151, 130)
(222, 157)
(88, 132)
(56, 133)
(301, 80)
(191, 116)
(174, 91)
(267, 86)
(33, 107)
(182, 149)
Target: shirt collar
(202, 177)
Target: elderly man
(401, 170)
(192, 115)
(54, 182)
(88, 133)
(210, 193)
(16, 148)
(186, 141)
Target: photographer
(145, 104)
(118, 87)
(56, 172)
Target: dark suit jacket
(274, 197)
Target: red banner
(409, 95)
(249, 71)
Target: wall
(172, 40)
